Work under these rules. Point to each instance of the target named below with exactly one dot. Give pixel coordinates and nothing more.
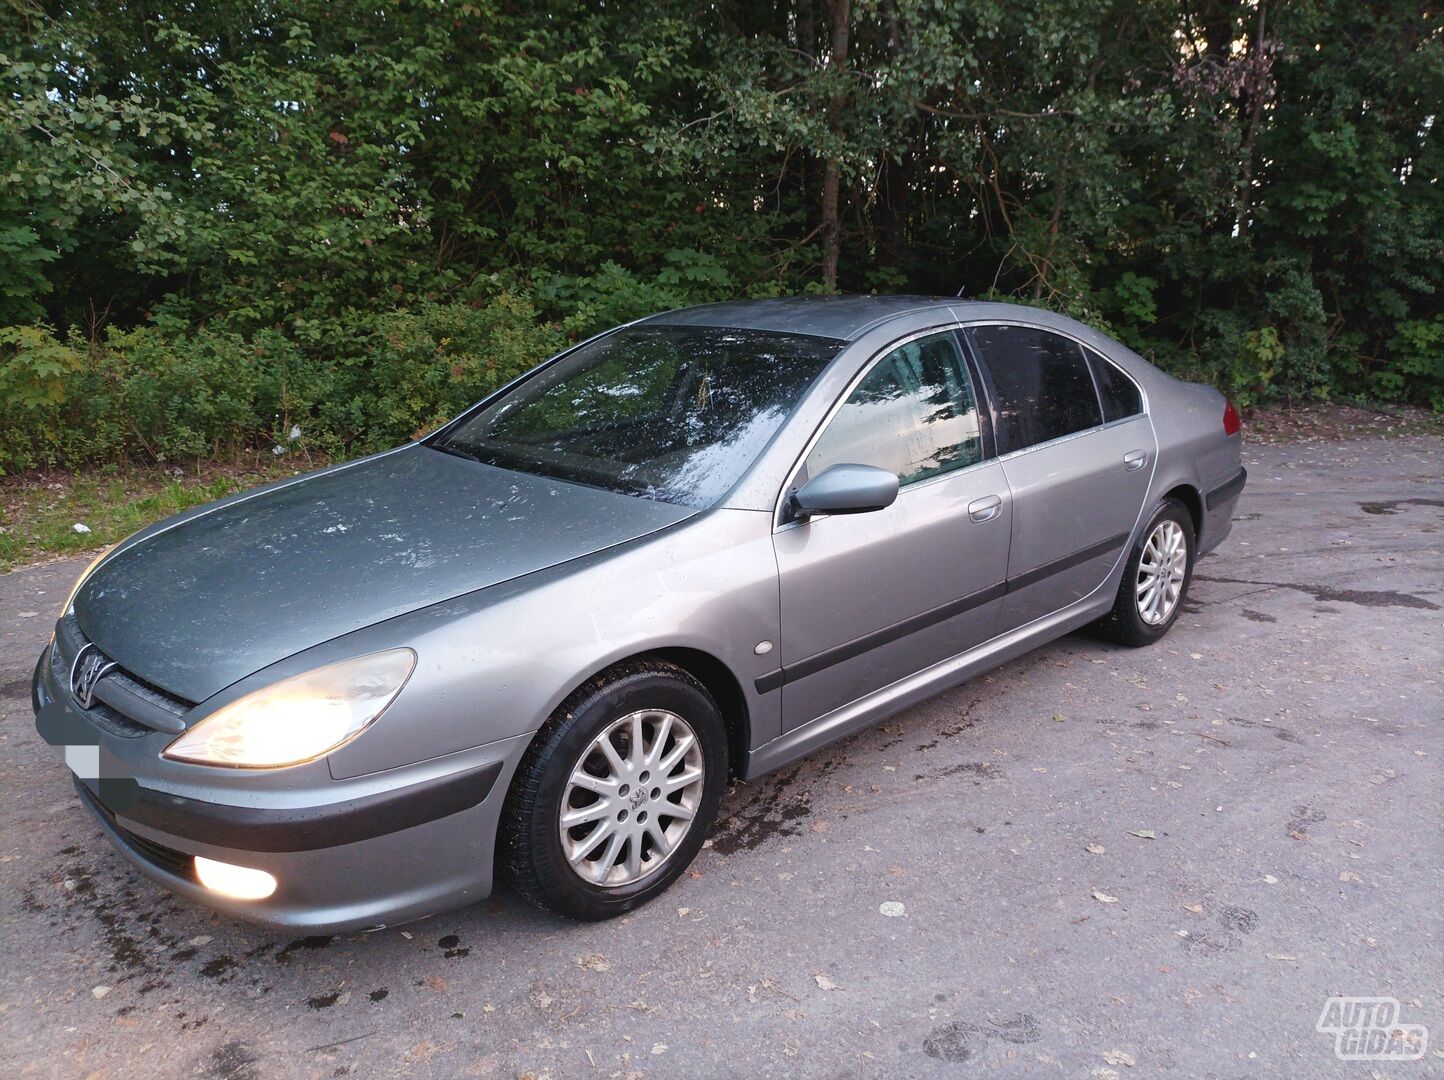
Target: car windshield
(674, 413)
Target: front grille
(100, 714)
(168, 859)
(132, 707)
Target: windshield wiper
(456, 451)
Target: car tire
(541, 858)
(1140, 617)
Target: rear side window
(1120, 397)
(1040, 384)
(913, 414)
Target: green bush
(155, 395)
(424, 365)
(614, 295)
(1417, 368)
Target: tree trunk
(1255, 95)
(893, 179)
(841, 15)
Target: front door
(1078, 475)
(869, 599)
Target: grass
(39, 511)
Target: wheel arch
(725, 689)
(1193, 501)
(714, 675)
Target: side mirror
(845, 489)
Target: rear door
(1078, 475)
(868, 599)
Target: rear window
(1040, 384)
(1119, 395)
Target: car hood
(212, 597)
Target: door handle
(1134, 459)
(985, 509)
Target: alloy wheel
(631, 798)
(1161, 573)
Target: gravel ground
(1088, 859)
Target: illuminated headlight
(298, 719)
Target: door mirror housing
(845, 489)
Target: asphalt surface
(1170, 857)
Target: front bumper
(347, 855)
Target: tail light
(1232, 425)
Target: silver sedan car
(540, 641)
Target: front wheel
(1155, 581)
(617, 793)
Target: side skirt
(880, 704)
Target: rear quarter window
(1040, 383)
(1119, 395)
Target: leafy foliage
(160, 394)
(320, 212)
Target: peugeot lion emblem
(86, 672)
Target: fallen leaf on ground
(891, 908)
(1103, 897)
(1119, 1057)
(1144, 834)
(594, 962)
(1280, 956)
(1195, 908)
(1096, 849)
(824, 983)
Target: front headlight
(300, 718)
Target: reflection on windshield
(675, 413)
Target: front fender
(496, 663)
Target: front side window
(674, 413)
(914, 414)
(1116, 390)
(1040, 384)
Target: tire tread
(515, 852)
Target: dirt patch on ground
(1276, 424)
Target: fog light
(237, 882)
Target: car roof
(843, 318)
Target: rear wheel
(617, 792)
(1155, 581)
